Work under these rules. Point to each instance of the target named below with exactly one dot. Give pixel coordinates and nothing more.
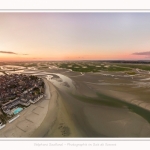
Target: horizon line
(77, 60)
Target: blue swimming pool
(16, 111)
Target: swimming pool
(16, 111)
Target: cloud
(142, 53)
(12, 53)
(7, 52)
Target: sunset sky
(74, 36)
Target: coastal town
(18, 91)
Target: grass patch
(131, 73)
(142, 67)
(44, 67)
(91, 68)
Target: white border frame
(75, 11)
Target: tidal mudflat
(86, 104)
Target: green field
(134, 66)
(92, 67)
(131, 73)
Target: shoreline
(57, 122)
(51, 115)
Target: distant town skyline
(43, 36)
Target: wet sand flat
(57, 122)
(71, 74)
(33, 117)
(38, 110)
(84, 89)
(26, 125)
(121, 122)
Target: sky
(74, 36)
